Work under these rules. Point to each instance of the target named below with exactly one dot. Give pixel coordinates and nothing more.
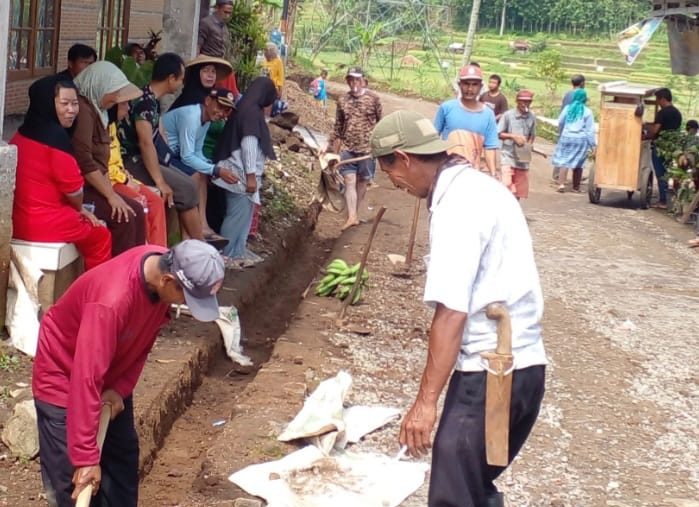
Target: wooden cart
(623, 160)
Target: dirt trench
(177, 466)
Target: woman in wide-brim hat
(201, 75)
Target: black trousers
(460, 475)
(125, 235)
(119, 459)
(184, 190)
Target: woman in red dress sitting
(48, 202)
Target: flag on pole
(632, 40)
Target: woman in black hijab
(201, 76)
(48, 200)
(244, 146)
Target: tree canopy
(573, 16)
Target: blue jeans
(236, 223)
(659, 166)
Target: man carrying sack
(93, 344)
(475, 259)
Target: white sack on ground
(324, 422)
(307, 478)
(22, 320)
(361, 420)
(322, 412)
(229, 325)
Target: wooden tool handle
(349, 161)
(362, 263)
(105, 414)
(498, 312)
(538, 152)
(413, 231)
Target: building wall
(79, 24)
(145, 15)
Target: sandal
(659, 205)
(216, 241)
(561, 189)
(693, 243)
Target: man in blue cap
(93, 344)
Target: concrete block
(8, 167)
(180, 27)
(60, 262)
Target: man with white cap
(480, 252)
(467, 113)
(93, 344)
(358, 112)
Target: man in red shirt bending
(93, 344)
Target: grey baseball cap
(200, 270)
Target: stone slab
(8, 166)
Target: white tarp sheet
(326, 423)
(308, 478)
(324, 474)
(321, 413)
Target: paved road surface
(619, 424)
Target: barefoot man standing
(357, 113)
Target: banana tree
(367, 37)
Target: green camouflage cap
(407, 131)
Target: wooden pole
(362, 264)
(413, 231)
(105, 414)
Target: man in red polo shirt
(93, 344)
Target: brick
(78, 24)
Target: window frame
(110, 30)
(32, 72)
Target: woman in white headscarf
(103, 85)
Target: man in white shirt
(476, 258)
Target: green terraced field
(599, 61)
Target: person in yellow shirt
(274, 66)
(124, 183)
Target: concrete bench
(60, 262)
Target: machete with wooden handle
(105, 414)
(498, 390)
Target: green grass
(8, 361)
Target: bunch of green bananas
(339, 280)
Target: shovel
(498, 393)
